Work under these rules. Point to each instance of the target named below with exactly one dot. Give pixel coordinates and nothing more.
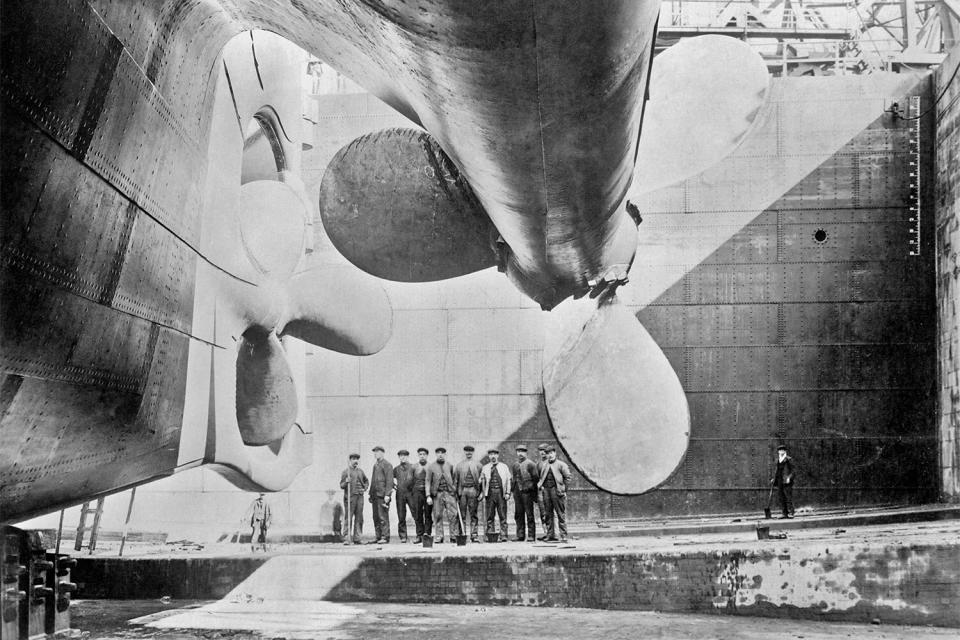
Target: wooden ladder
(82, 526)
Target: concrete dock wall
(840, 582)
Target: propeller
(614, 400)
(333, 307)
(395, 205)
(705, 96)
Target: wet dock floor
(180, 620)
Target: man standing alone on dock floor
(783, 480)
(259, 522)
(554, 479)
(354, 483)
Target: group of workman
(439, 491)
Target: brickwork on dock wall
(843, 582)
(947, 188)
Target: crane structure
(823, 37)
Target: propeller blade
(338, 308)
(705, 95)
(266, 392)
(272, 219)
(614, 400)
(396, 206)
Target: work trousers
(523, 511)
(354, 511)
(338, 520)
(497, 507)
(555, 504)
(421, 512)
(468, 509)
(542, 509)
(404, 500)
(258, 534)
(445, 510)
(786, 498)
(381, 518)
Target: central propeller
(397, 207)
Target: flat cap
(542, 447)
(423, 450)
(551, 448)
(497, 451)
(403, 452)
(469, 447)
(782, 447)
(522, 447)
(378, 448)
(354, 456)
(440, 450)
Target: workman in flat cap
(542, 455)
(422, 512)
(555, 477)
(381, 488)
(495, 479)
(525, 478)
(466, 480)
(354, 483)
(403, 482)
(440, 488)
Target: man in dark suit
(525, 478)
(381, 486)
(783, 480)
(422, 512)
(403, 481)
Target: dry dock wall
(841, 582)
(948, 270)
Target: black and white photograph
(513, 319)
